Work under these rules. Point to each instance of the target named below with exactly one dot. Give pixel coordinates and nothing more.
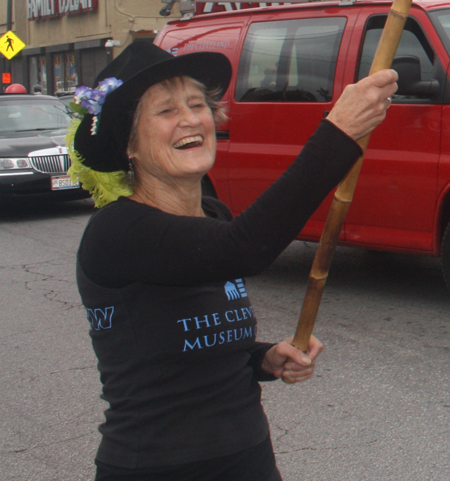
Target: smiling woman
(161, 268)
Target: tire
(445, 255)
(207, 188)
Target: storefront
(59, 69)
(68, 42)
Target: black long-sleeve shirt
(171, 322)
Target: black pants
(253, 464)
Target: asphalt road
(378, 408)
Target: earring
(131, 175)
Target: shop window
(71, 72)
(64, 73)
(38, 72)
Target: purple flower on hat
(88, 100)
(93, 99)
(109, 84)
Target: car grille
(51, 164)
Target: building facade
(68, 42)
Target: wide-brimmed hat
(101, 138)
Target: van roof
(311, 4)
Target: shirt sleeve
(257, 353)
(132, 242)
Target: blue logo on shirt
(235, 290)
(100, 318)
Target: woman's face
(175, 134)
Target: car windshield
(32, 115)
(441, 20)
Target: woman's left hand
(285, 360)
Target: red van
(290, 64)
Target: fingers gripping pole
(343, 197)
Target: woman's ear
(131, 153)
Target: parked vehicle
(33, 156)
(290, 64)
(66, 99)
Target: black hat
(141, 65)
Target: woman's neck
(174, 198)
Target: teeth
(188, 140)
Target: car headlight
(14, 163)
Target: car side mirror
(410, 78)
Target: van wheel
(207, 188)
(445, 255)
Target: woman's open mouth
(188, 142)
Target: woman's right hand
(362, 106)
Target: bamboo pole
(343, 197)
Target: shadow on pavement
(39, 209)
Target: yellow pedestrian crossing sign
(10, 45)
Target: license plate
(63, 182)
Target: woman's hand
(285, 360)
(362, 106)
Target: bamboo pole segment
(343, 197)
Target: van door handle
(325, 114)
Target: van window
(415, 61)
(441, 20)
(289, 61)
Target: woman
(160, 270)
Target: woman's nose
(188, 117)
